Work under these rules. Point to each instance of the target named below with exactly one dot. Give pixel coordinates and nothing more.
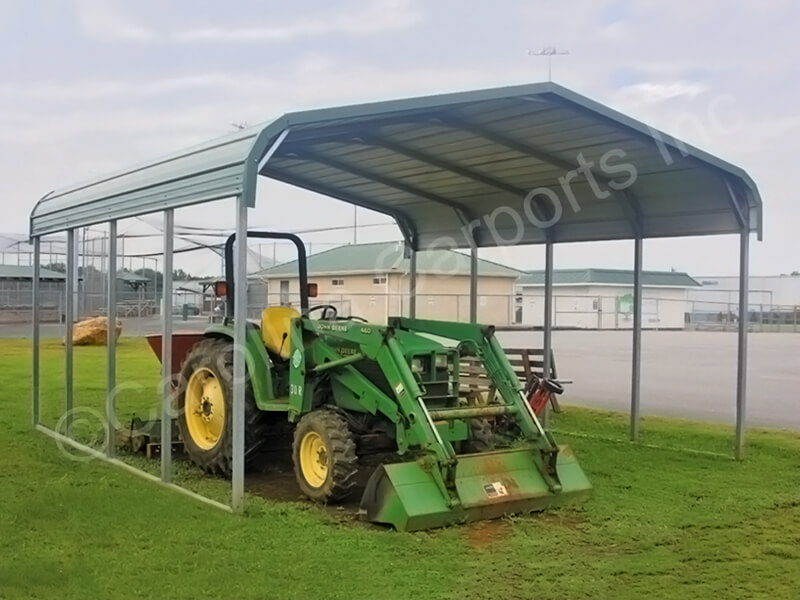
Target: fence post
(795, 319)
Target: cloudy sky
(88, 86)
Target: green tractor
(348, 388)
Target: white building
(721, 294)
(603, 299)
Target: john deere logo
(297, 358)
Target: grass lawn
(662, 523)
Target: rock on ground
(93, 332)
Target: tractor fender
(257, 361)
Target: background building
(774, 302)
(16, 294)
(603, 299)
(721, 293)
(372, 281)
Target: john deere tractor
(347, 388)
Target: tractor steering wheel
(352, 318)
(329, 311)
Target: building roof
(26, 272)
(131, 277)
(523, 165)
(387, 257)
(609, 277)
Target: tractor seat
(275, 326)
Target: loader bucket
(487, 486)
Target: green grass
(662, 522)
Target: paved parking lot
(684, 373)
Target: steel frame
(263, 149)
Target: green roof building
(603, 299)
(372, 281)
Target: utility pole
(549, 52)
(355, 224)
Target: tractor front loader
(348, 387)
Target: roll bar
(270, 235)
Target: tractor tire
(206, 384)
(481, 437)
(324, 456)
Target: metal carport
(532, 164)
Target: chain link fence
(195, 300)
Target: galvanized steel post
(239, 332)
(412, 286)
(69, 318)
(36, 301)
(111, 361)
(166, 348)
(636, 353)
(741, 364)
(548, 320)
(473, 284)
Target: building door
(284, 292)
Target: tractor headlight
(441, 361)
(417, 365)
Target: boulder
(93, 332)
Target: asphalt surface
(689, 374)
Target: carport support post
(36, 301)
(412, 286)
(69, 317)
(636, 358)
(239, 332)
(473, 283)
(547, 337)
(166, 349)
(744, 318)
(111, 361)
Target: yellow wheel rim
(313, 459)
(204, 407)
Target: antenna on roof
(549, 52)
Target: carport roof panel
(440, 163)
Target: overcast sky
(88, 86)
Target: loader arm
(439, 485)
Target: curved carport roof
(523, 164)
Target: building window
(337, 282)
(378, 280)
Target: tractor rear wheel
(324, 456)
(204, 399)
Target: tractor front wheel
(324, 456)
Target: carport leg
(239, 332)
(412, 286)
(473, 284)
(547, 336)
(36, 301)
(69, 317)
(111, 361)
(166, 349)
(741, 367)
(636, 358)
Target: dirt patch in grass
(484, 534)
